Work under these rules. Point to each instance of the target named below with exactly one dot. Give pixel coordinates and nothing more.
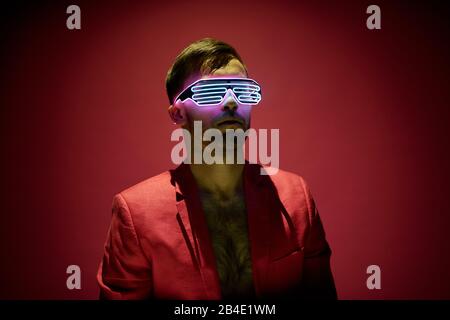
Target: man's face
(230, 114)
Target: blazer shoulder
(286, 181)
(156, 191)
(294, 192)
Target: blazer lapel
(258, 214)
(193, 220)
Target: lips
(230, 121)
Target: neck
(222, 179)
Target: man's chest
(227, 224)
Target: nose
(230, 102)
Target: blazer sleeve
(317, 278)
(124, 271)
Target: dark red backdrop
(363, 116)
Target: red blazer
(158, 244)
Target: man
(215, 231)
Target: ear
(177, 113)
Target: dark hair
(202, 57)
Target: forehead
(234, 68)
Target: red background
(363, 117)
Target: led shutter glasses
(212, 91)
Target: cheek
(245, 111)
(205, 114)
